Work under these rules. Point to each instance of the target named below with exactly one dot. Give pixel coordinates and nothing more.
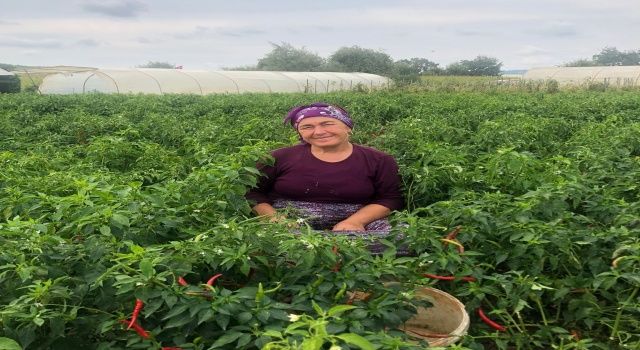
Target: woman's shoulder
(371, 152)
(288, 151)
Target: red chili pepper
(182, 282)
(141, 331)
(138, 328)
(491, 323)
(451, 238)
(449, 278)
(213, 279)
(438, 277)
(136, 312)
(454, 233)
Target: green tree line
(609, 56)
(286, 57)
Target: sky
(215, 34)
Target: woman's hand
(362, 217)
(269, 213)
(347, 225)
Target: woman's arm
(387, 184)
(387, 198)
(358, 220)
(259, 194)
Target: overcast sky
(200, 34)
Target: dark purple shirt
(367, 176)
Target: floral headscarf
(317, 109)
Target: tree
(481, 65)
(285, 57)
(457, 68)
(153, 64)
(245, 68)
(330, 66)
(403, 72)
(583, 62)
(357, 59)
(610, 56)
(420, 66)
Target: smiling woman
(330, 182)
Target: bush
(552, 86)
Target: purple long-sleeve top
(367, 176)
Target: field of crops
(109, 200)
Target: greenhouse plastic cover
(615, 75)
(178, 81)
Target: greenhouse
(9, 82)
(609, 75)
(178, 81)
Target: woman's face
(323, 131)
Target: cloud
(30, 43)
(599, 5)
(225, 30)
(145, 40)
(198, 32)
(31, 52)
(557, 29)
(87, 43)
(470, 32)
(111, 30)
(121, 9)
(324, 28)
(8, 23)
(531, 50)
(531, 55)
(241, 32)
(410, 16)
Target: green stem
(83, 307)
(511, 319)
(558, 310)
(484, 336)
(544, 317)
(521, 321)
(561, 344)
(616, 323)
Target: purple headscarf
(317, 109)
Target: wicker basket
(441, 324)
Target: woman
(332, 183)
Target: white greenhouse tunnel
(178, 81)
(610, 75)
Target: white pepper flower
(293, 317)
